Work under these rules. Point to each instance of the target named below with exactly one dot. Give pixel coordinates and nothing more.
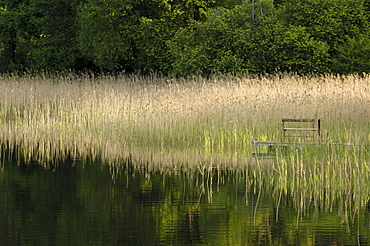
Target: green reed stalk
(195, 124)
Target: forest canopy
(185, 37)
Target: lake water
(80, 203)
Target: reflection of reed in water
(265, 201)
(195, 125)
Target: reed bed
(202, 124)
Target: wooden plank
(272, 143)
(312, 122)
(300, 136)
(300, 129)
(298, 120)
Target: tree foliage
(54, 47)
(353, 55)
(105, 34)
(15, 32)
(185, 37)
(334, 22)
(233, 41)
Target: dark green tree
(213, 45)
(330, 21)
(15, 32)
(160, 24)
(336, 22)
(236, 41)
(106, 30)
(132, 35)
(38, 35)
(55, 46)
(353, 56)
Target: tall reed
(157, 123)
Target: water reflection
(78, 203)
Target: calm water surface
(85, 204)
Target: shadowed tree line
(185, 37)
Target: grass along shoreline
(113, 117)
(196, 124)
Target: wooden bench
(296, 131)
(300, 128)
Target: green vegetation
(185, 37)
(196, 125)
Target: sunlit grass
(197, 124)
(112, 117)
